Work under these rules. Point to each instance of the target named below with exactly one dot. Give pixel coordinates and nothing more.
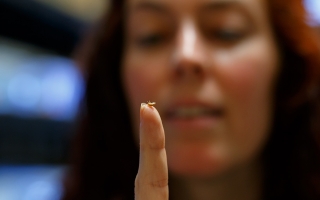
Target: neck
(242, 183)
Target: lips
(189, 112)
(194, 114)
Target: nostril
(190, 71)
(196, 70)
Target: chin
(197, 161)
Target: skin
(152, 177)
(210, 52)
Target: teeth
(191, 112)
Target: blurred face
(210, 66)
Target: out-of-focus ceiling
(85, 10)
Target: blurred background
(41, 89)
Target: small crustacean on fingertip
(151, 103)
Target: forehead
(188, 7)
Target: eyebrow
(150, 6)
(224, 5)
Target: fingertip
(151, 129)
(142, 105)
(142, 108)
(149, 113)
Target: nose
(188, 55)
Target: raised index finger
(152, 178)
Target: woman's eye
(150, 40)
(229, 36)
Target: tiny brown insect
(151, 103)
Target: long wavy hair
(104, 159)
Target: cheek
(247, 72)
(244, 80)
(247, 84)
(247, 79)
(143, 81)
(138, 84)
(143, 77)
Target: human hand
(152, 179)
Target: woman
(235, 83)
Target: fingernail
(142, 104)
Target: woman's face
(210, 66)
